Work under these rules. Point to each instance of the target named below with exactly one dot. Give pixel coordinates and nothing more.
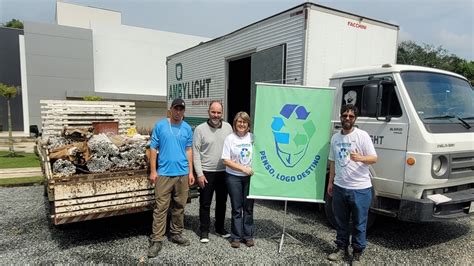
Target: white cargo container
(304, 45)
(420, 119)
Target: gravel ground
(27, 237)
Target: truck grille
(462, 165)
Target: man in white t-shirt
(350, 155)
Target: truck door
(267, 66)
(389, 135)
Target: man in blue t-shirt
(172, 138)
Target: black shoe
(154, 249)
(204, 237)
(223, 233)
(180, 240)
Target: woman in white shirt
(237, 157)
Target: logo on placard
(292, 131)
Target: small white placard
(439, 198)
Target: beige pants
(168, 190)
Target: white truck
(420, 119)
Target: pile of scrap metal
(78, 150)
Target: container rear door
(267, 66)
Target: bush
(92, 98)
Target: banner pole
(284, 233)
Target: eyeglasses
(348, 116)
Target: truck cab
(421, 121)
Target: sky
(446, 23)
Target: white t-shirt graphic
(239, 150)
(350, 174)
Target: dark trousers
(355, 203)
(242, 207)
(215, 182)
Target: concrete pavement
(20, 172)
(21, 144)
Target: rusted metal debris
(96, 153)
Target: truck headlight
(440, 165)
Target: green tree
(411, 53)
(14, 23)
(9, 92)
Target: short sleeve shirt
(239, 150)
(171, 140)
(350, 174)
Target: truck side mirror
(372, 99)
(370, 94)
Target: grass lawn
(24, 160)
(21, 181)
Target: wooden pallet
(56, 115)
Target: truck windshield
(440, 99)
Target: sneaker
(235, 244)
(339, 254)
(223, 233)
(204, 237)
(357, 258)
(180, 240)
(154, 249)
(250, 243)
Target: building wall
(89, 52)
(148, 113)
(132, 60)
(82, 16)
(10, 74)
(58, 59)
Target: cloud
(459, 44)
(404, 36)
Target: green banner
(291, 144)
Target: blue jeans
(355, 203)
(242, 208)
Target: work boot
(180, 240)
(357, 259)
(235, 244)
(154, 249)
(339, 254)
(250, 243)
